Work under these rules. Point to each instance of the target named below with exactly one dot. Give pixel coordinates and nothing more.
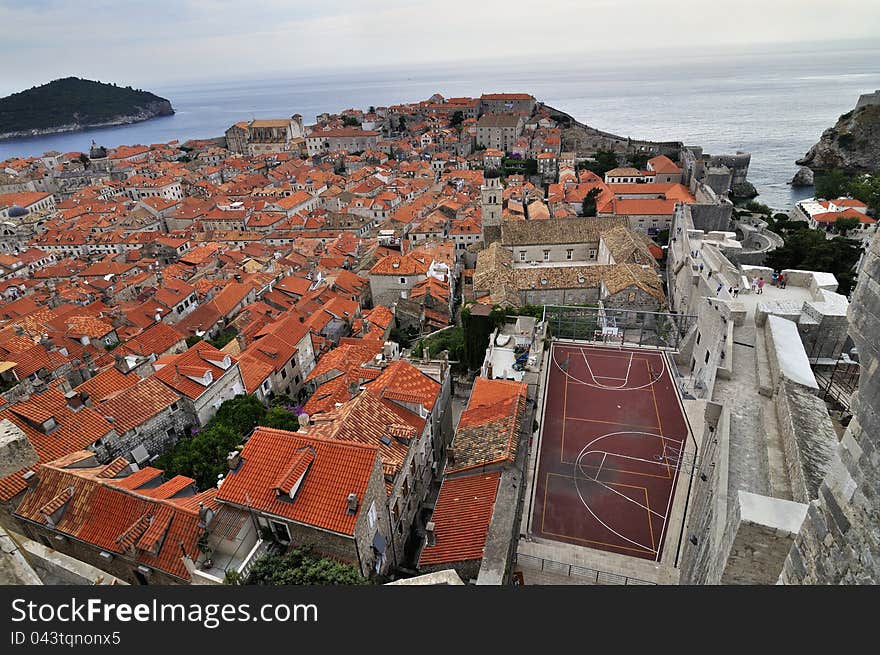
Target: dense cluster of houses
(141, 287)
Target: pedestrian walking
(774, 279)
(782, 281)
(760, 285)
(754, 285)
(718, 290)
(736, 291)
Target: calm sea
(772, 105)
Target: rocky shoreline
(150, 111)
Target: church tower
(490, 194)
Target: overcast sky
(158, 41)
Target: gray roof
(557, 231)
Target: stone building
(348, 139)
(130, 523)
(499, 130)
(295, 488)
(148, 419)
(557, 262)
(472, 525)
(497, 103)
(203, 376)
(491, 204)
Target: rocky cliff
(852, 145)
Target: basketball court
(612, 443)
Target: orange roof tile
(337, 469)
(461, 519)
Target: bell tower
(490, 196)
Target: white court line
(601, 464)
(598, 385)
(579, 466)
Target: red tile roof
(488, 430)
(461, 519)
(174, 370)
(337, 469)
(75, 431)
(134, 406)
(106, 383)
(154, 529)
(404, 382)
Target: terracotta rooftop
(337, 468)
(461, 519)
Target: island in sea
(72, 104)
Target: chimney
(351, 503)
(74, 402)
(303, 420)
(86, 399)
(450, 455)
(430, 535)
(234, 460)
(30, 479)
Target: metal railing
(572, 570)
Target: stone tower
(490, 194)
(838, 543)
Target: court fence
(662, 330)
(592, 576)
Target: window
(403, 280)
(546, 255)
(371, 515)
(405, 487)
(522, 255)
(707, 357)
(568, 253)
(173, 407)
(280, 530)
(592, 254)
(698, 337)
(283, 374)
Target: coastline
(117, 121)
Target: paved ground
(610, 450)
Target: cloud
(163, 40)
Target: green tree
(639, 160)
(477, 330)
(758, 208)
(301, 566)
(401, 124)
(832, 184)
(350, 121)
(603, 162)
(810, 250)
(867, 189)
(844, 225)
(588, 206)
(457, 119)
(280, 418)
(242, 414)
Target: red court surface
(611, 446)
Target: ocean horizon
(772, 105)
